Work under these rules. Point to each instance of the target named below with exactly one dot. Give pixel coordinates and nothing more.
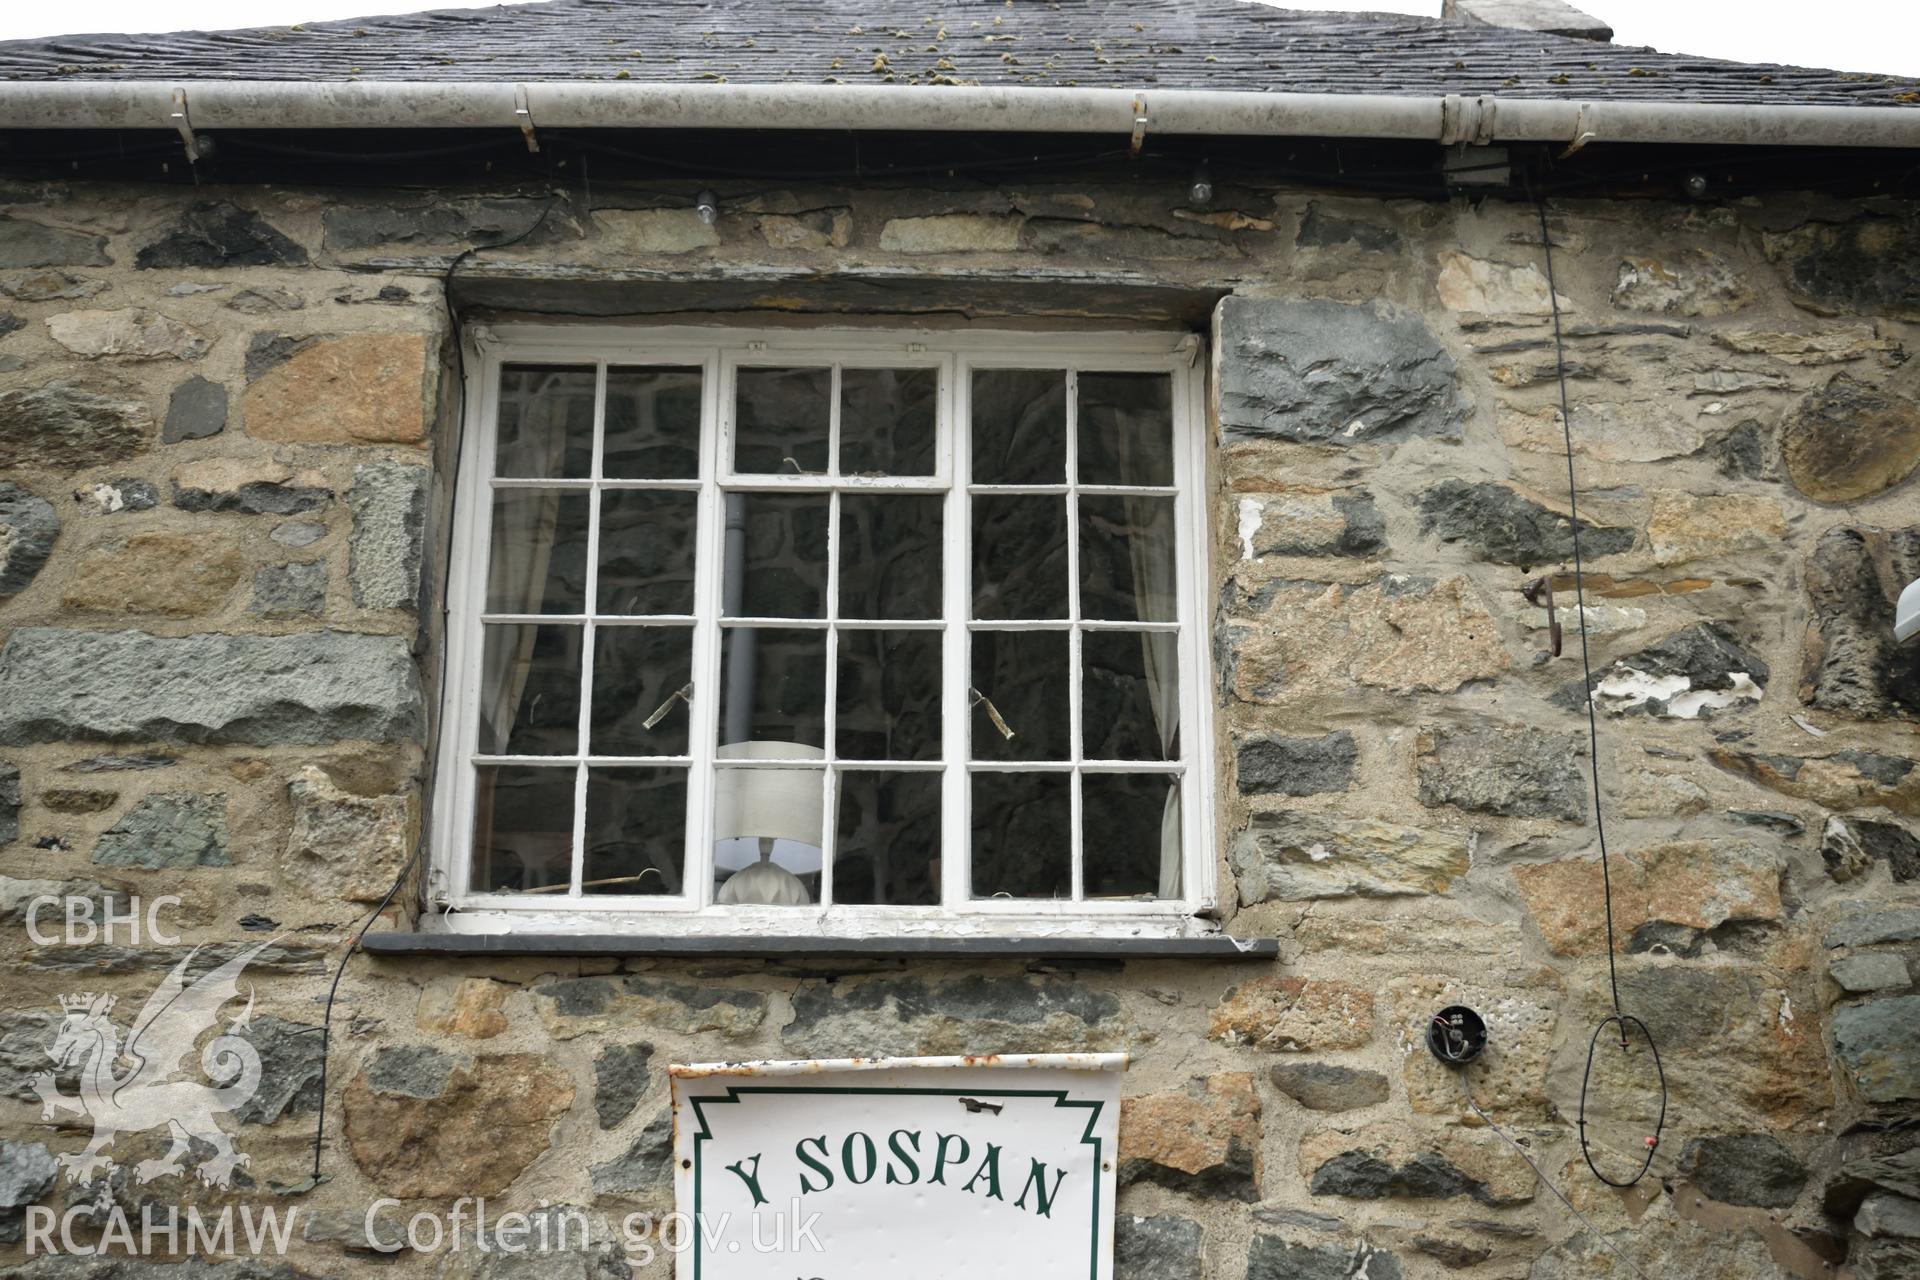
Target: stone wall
(222, 417)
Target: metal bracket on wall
(179, 119)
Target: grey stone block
(317, 686)
(389, 504)
(196, 410)
(1329, 373)
(172, 831)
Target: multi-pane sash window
(869, 627)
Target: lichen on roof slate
(1132, 44)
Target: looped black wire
(1593, 739)
(353, 944)
(1653, 1143)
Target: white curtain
(517, 563)
(1150, 551)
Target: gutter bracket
(523, 115)
(1582, 135)
(179, 119)
(1139, 138)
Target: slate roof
(1186, 44)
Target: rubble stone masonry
(226, 430)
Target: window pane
(775, 550)
(889, 695)
(1019, 426)
(1126, 559)
(653, 424)
(538, 561)
(1019, 557)
(887, 421)
(1125, 426)
(530, 689)
(890, 553)
(522, 827)
(646, 551)
(1130, 841)
(887, 842)
(1130, 695)
(1023, 677)
(1022, 846)
(545, 422)
(781, 421)
(636, 831)
(768, 826)
(636, 672)
(773, 686)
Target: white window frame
(718, 351)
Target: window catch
(601, 883)
(682, 694)
(993, 713)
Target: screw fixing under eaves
(1456, 1035)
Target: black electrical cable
(353, 945)
(1618, 1017)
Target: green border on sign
(1059, 1096)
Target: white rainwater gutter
(240, 104)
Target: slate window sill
(813, 947)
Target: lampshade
(769, 804)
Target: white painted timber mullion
(953, 431)
(703, 719)
(1191, 510)
(585, 747)
(1074, 692)
(830, 709)
(472, 525)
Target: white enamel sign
(889, 1167)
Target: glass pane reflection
(887, 839)
(530, 682)
(1019, 426)
(1019, 557)
(538, 559)
(1126, 428)
(780, 424)
(646, 551)
(887, 421)
(545, 422)
(653, 424)
(1022, 842)
(1127, 571)
(776, 555)
(890, 555)
(636, 830)
(1130, 835)
(522, 827)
